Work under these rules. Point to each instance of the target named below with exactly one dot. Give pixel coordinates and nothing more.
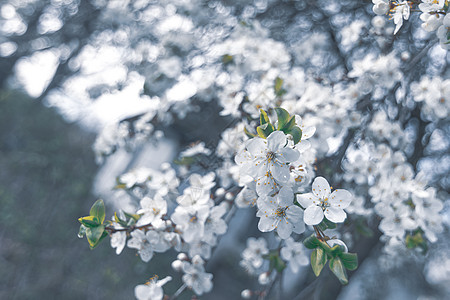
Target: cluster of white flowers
(242, 67)
(434, 15)
(403, 201)
(434, 93)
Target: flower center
(270, 156)
(324, 203)
(281, 212)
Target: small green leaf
(248, 133)
(227, 59)
(94, 235)
(288, 126)
(263, 118)
(349, 260)
(98, 211)
(264, 130)
(337, 250)
(296, 133)
(330, 225)
(283, 117)
(89, 221)
(185, 161)
(134, 217)
(338, 269)
(279, 91)
(318, 260)
(311, 242)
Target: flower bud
(246, 294)
(177, 265)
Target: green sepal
(283, 117)
(98, 211)
(248, 133)
(337, 267)
(263, 118)
(264, 130)
(349, 260)
(318, 260)
(94, 235)
(279, 91)
(296, 133)
(311, 242)
(89, 221)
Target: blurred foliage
(46, 171)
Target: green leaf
(98, 211)
(263, 118)
(296, 133)
(288, 126)
(318, 260)
(248, 133)
(279, 91)
(338, 269)
(134, 217)
(311, 242)
(94, 235)
(349, 260)
(185, 161)
(264, 130)
(283, 117)
(337, 250)
(227, 59)
(330, 225)
(89, 221)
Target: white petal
(340, 198)
(335, 214)
(142, 292)
(313, 215)
(284, 229)
(308, 132)
(306, 200)
(287, 155)
(257, 147)
(280, 173)
(267, 224)
(276, 140)
(321, 188)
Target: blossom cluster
(434, 15)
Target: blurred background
(70, 68)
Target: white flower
(144, 242)
(321, 202)
(401, 11)
(152, 210)
(118, 241)
(267, 159)
(191, 221)
(280, 213)
(295, 254)
(252, 256)
(380, 7)
(152, 290)
(195, 276)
